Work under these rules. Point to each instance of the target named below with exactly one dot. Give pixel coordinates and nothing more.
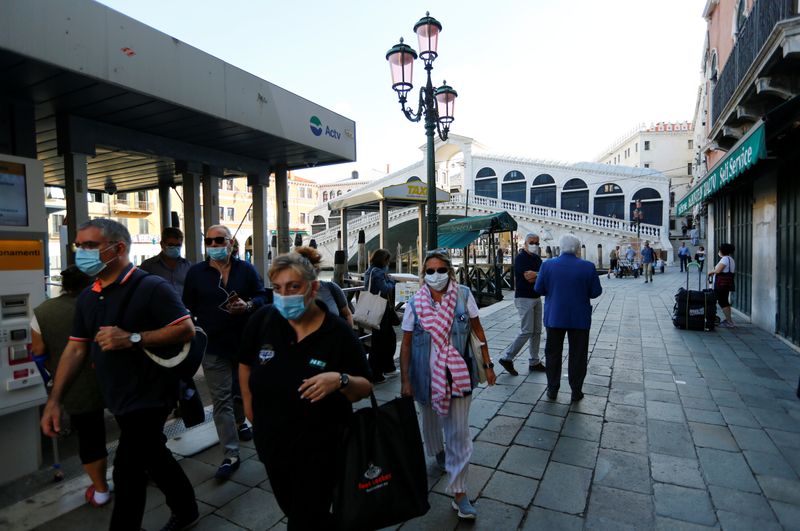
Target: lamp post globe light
(435, 104)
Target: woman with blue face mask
(300, 368)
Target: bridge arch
(609, 201)
(575, 196)
(652, 205)
(543, 191)
(514, 186)
(486, 183)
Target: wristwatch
(136, 338)
(344, 380)
(489, 365)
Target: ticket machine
(23, 237)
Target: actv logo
(316, 128)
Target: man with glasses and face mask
(124, 311)
(169, 264)
(222, 292)
(529, 307)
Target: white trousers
(457, 441)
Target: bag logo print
(374, 479)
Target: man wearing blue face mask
(169, 264)
(222, 292)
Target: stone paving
(679, 430)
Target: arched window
(543, 191)
(575, 196)
(514, 186)
(652, 206)
(486, 183)
(609, 201)
(413, 178)
(325, 195)
(318, 224)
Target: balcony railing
(751, 37)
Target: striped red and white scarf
(437, 321)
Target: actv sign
(317, 128)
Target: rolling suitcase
(694, 310)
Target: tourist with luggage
(300, 369)
(722, 277)
(438, 369)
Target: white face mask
(533, 248)
(437, 281)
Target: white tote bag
(370, 308)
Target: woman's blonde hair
(297, 263)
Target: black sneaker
(178, 523)
(577, 396)
(227, 468)
(245, 433)
(552, 395)
(538, 367)
(508, 365)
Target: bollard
(363, 257)
(339, 268)
(599, 256)
(312, 243)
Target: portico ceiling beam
(98, 133)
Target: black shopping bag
(383, 479)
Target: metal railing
(754, 32)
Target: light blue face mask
(89, 262)
(172, 252)
(290, 306)
(220, 254)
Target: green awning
(500, 222)
(458, 240)
(749, 150)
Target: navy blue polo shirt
(525, 262)
(279, 364)
(128, 379)
(156, 265)
(205, 295)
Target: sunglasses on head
(218, 240)
(440, 270)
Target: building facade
(665, 147)
(746, 187)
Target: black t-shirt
(128, 379)
(281, 419)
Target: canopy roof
(397, 195)
(135, 100)
(500, 222)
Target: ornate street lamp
(435, 104)
(638, 215)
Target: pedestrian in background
(648, 261)
(568, 284)
(438, 370)
(113, 322)
(222, 292)
(700, 257)
(300, 367)
(50, 329)
(384, 339)
(329, 292)
(529, 307)
(169, 264)
(723, 275)
(630, 255)
(683, 255)
(613, 257)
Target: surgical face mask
(290, 306)
(89, 262)
(220, 254)
(172, 252)
(533, 248)
(437, 281)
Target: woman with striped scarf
(439, 371)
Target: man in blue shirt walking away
(529, 306)
(567, 284)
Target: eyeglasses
(88, 245)
(219, 240)
(441, 270)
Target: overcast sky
(548, 79)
